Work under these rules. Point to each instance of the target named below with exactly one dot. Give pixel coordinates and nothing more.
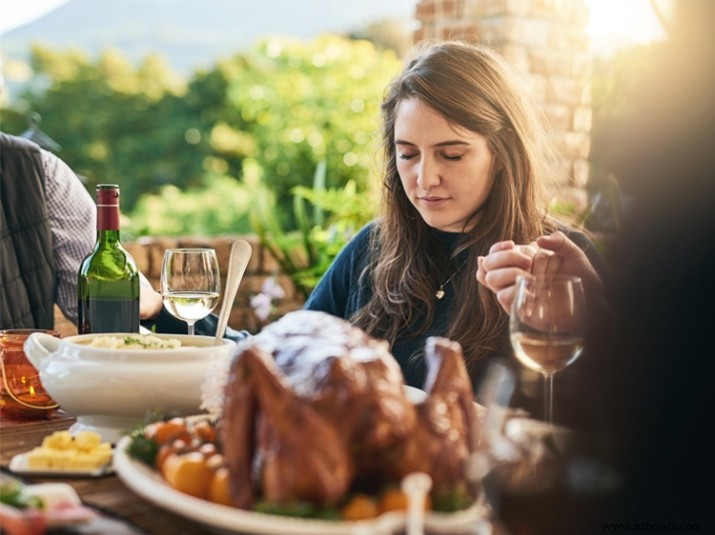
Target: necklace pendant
(440, 293)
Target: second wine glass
(190, 283)
(548, 326)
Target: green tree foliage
(116, 123)
(326, 219)
(303, 103)
(278, 109)
(173, 212)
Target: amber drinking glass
(21, 392)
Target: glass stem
(190, 329)
(549, 397)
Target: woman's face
(445, 170)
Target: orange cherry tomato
(208, 449)
(360, 507)
(205, 431)
(175, 428)
(219, 487)
(188, 473)
(393, 500)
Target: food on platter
(138, 341)
(315, 408)
(185, 452)
(315, 421)
(63, 452)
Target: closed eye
(452, 158)
(407, 156)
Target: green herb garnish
(142, 448)
(449, 502)
(300, 510)
(11, 493)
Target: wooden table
(107, 494)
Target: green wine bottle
(108, 280)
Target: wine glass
(547, 326)
(190, 283)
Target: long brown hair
(471, 86)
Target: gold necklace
(439, 294)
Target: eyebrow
(448, 143)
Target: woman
(464, 159)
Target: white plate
(149, 484)
(19, 465)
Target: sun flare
(614, 23)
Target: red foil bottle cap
(107, 207)
(108, 194)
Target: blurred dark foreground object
(538, 478)
(653, 356)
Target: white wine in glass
(547, 327)
(190, 283)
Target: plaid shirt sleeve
(73, 218)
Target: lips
(433, 201)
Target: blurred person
(656, 347)
(465, 161)
(645, 462)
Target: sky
(14, 13)
(612, 22)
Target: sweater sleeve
(340, 291)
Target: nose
(428, 173)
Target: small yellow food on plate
(87, 441)
(62, 451)
(59, 440)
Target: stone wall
(547, 40)
(149, 252)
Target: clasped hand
(553, 254)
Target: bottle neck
(107, 224)
(108, 218)
(108, 236)
(108, 213)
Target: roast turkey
(314, 408)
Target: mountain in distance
(193, 34)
